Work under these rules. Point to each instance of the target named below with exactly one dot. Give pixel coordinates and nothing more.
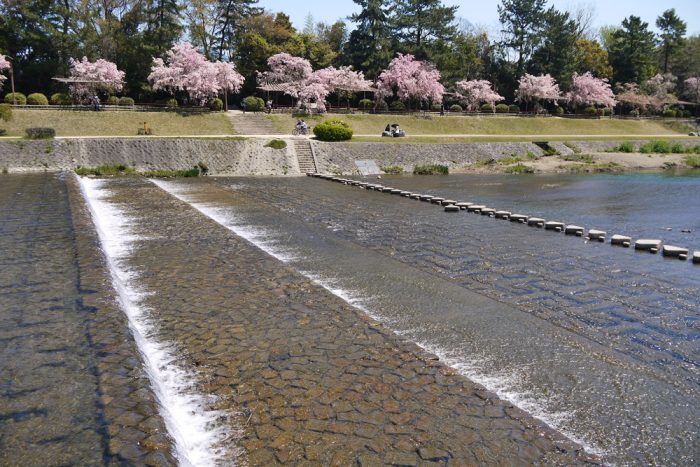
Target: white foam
(504, 384)
(198, 438)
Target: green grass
(512, 159)
(519, 169)
(122, 170)
(365, 124)
(106, 170)
(693, 161)
(118, 123)
(167, 173)
(434, 169)
(585, 158)
(627, 146)
(394, 169)
(276, 144)
(573, 147)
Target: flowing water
(600, 342)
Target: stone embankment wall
(222, 156)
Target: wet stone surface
(71, 387)
(306, 378)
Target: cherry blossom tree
(692, 88)
(660, 90)
(287, 71)
(100, 75)
(534, 88)
(586, 89)
(343, 81)
(630, 94)
(4, 65)
(190, 71)
(410, 79)
(475, 92)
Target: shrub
(624, 147)
(126, 102)
(634, 113)
(502, 108)
(40, 133)
(102, 170)
(486, 108)
(333, 130)
(216, 104)
(112, 100)
(254, 103)
(19, 97)
(558, 110)
(660, 147)
(607, 111)
(669, 113)
(434, 169)
(455, 108)
(365, 104)
(394, 169)
(514, 109)
(60, 98)
(693, 161)
(686, 113)
(590, 111)
(203, 168)
(381, 105)
(436, 107)
(519, 169)
(5, 112)
(397, 106)
(276, 144)
(37, 98)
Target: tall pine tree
(672, 36)
(369, 47)
(522, 22)
(556, 53)
(632, 51)
(418, 24)
(232, 14)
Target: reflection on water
(601, 342)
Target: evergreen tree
(557, 51)
(522, 22)
(590, 56)
(672, 35)
(232, 13)
(418, 24)
(632, 51)
(163, 26)
(369, 47)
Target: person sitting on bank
(398, 132)
(387, 131)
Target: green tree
(369, 47)
(632, 51)
(687, 63)
(418, 24)
(522, 22)
(556, 52)
(590, 56)
(335, 35)
(232, 13)
(671, 37)
(163, 26)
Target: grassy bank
(122, 123)
(364, 124)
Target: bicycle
(301, 131)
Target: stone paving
(305, 378)
(71, 387)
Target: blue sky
(484, 13)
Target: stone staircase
(305, 156)
(252, 124)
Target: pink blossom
(589, 90)
(190, 71)
(692, 88)
(288, 71)
(476, 92)
(98, 75)
(411, 79)
(537, 87)
(4, 65)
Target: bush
(660, 147)
(634, 113)
(40, 133)
(276, 144)
(333, 130)
(126, 102)
(434, 169)
(607, 111)
(693, 161)
(102, 170)
(624, 147)
(678, 148)
(112, 100)
(514, 109)
(436, 107)
(216, 104)
(502, 108)
(60, 98)
(558, 110)
(394, 169)
(254, 103)
(365, 104)
(5, 112)
(686, 113)
(590, 111)
(397, 106)
(669, 113)
(19, 97)
(455, 108)
(486, 108)
(519, 169)
(37, 98)
(381, 105)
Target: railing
(115, 108)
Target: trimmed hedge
(382, 105)
(455, 108)
(37, 98)
(397, 106)
(590, 111)
(254, 103)
(40, 133)
(365, 104)
(486, 108)
(5, 112)
(514, 109)
(559, 110)
(60, 98)
(333, 130)
(634, 113)
(502, 108)
(126, 102)
(19, 97)
(217, 105)
(669, 113)
(112, 100)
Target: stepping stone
(574, 230)
(463, 205)
(437, 200)
(621, 240)
(553, 225)
(448, 201)
(675, 252)
(522, 218)
(451, 208)
(405, 194)
(696, 257)
(415, 196)
(536, 222)
(426, 197)
(652, 246)
(396, 192)
(599, 235)
(503, 215)
(475, 208)
(488, 212)
(387, 189)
